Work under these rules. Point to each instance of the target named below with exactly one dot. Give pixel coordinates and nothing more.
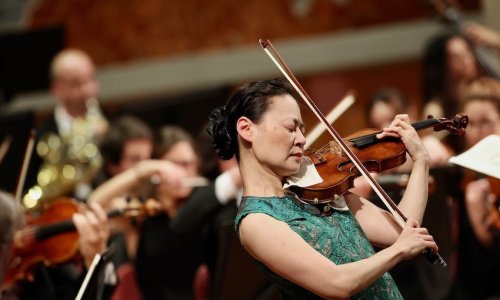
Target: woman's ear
(245, 128)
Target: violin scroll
(455, 126)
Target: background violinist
(62, 280)
(478, 242)
(76, 115)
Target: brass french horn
(69, 160)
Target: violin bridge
(335, 148)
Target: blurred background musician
(449, 64)
(168, 258)
(62, 280)
(128, 141)
(68, 138)
(478, 243)
(175, 240)
(384, 104)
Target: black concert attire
(477, 272)
(59, 283)
(172, 249)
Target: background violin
(377, 155)
(50, 238)
(493, 207)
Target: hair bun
(217, 128)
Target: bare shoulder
(258, 231)
(255, 225)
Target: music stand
(93, 284)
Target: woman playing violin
(310, 255)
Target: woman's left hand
(401, 128)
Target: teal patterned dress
(338, 237)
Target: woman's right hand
(413, 240)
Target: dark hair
(389, 96)
(168, 136)
(434, 68)
(124, 129)
(209, 166)
(251, 100)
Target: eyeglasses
(482, 124)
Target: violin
(377, 155)
(51, 238)
(493, 207)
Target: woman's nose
(301, 139)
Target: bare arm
(122, 183)
(282, 250)
(414, 199)
(380, 227)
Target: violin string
(324, 149)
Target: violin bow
(4, 147)
(332, 116)
(24, 168)
(268, 47)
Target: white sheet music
(484, 157)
